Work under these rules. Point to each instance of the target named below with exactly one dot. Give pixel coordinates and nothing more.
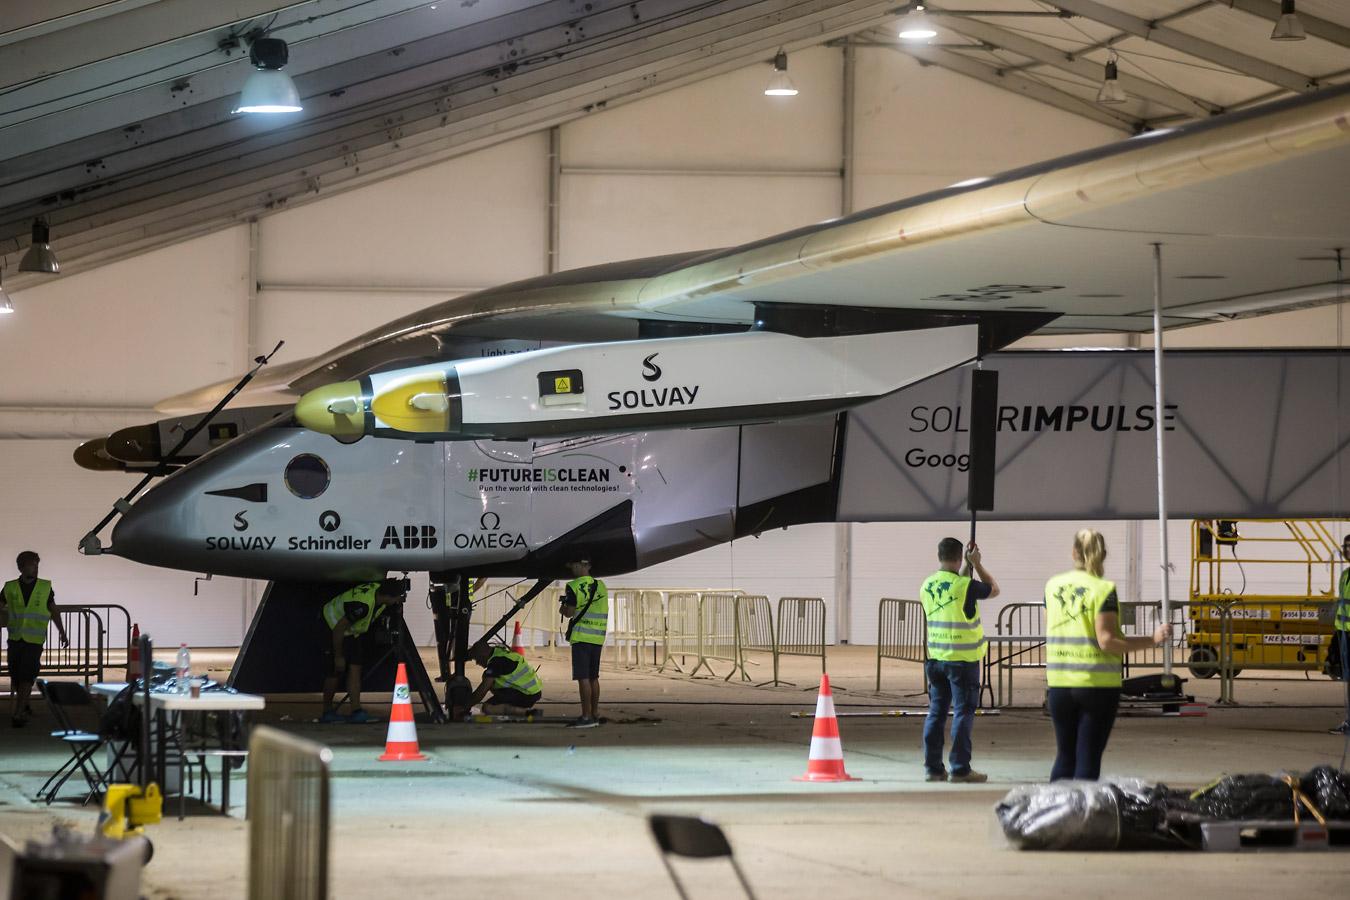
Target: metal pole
(1158, 427)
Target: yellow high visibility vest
(522, 678)
(1343, 607)
(28, 620)
(591, 627)
(1072, 657)
(951, 636)
(335, 609)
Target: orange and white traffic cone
(401, 743)
(826, 762)
(134, 654)
(517, 645)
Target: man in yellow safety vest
(955, 647)
(27, 604)
(586, 604)
(349, 616)
(514, 684)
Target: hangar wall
(710, 164)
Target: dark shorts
(586, 661)
(25, 661)
(354, 650)
(513, 697)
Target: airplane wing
(1248, 207)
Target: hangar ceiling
(116, 122)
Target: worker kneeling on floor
(514, 684)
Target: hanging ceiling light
(1288, 27)
(40, 257)
(6, 307)
(915, 26)
(1111, 92)
(268, 89)
(780, 85)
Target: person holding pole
(955, 647)
(1083, 650)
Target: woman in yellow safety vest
(1083, 650)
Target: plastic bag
(1329, 790)
(1246, 797)
(1123, 814)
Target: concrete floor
(543, 811)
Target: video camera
(396, 585)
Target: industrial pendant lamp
(1111, 92)
(780, 85)
(40, 257)
(1288, 27)
(915, 27)
(268, 89)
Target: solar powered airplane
(637, 411)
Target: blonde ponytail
(1090, 547)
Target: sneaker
(935, 776)
(1343, 728)
(970, 777)
(584, 722)
(330, 717)
(359, 717)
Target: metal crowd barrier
(683, 614)
(717, 635)
(93, 647)
(288, 811)
(801, 630)
(755, 632)
(902, 632)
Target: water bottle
(184, 679)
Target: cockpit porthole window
(307, 476)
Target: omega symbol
(489, 521)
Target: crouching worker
(349, 616)
(512, 682)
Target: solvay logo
(240, 523)
(650, 370)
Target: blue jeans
(950, 684)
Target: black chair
(78, 726)
(694, 838)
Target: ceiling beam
(1270, 11)
(1020, 84)
(84, 42)
(497, 115)
(1076, 65)
(1185, 43)
(525, 38)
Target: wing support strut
(90, 544)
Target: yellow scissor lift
(1263, 629)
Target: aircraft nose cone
(154, 530)
(336, 409)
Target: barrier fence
(288, 812)
(1208, 639)
(693, 632)
(902, 632)
(98, 641)
(801, 630)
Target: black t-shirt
(977, 591)
(1111, 604)
(499, 667)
